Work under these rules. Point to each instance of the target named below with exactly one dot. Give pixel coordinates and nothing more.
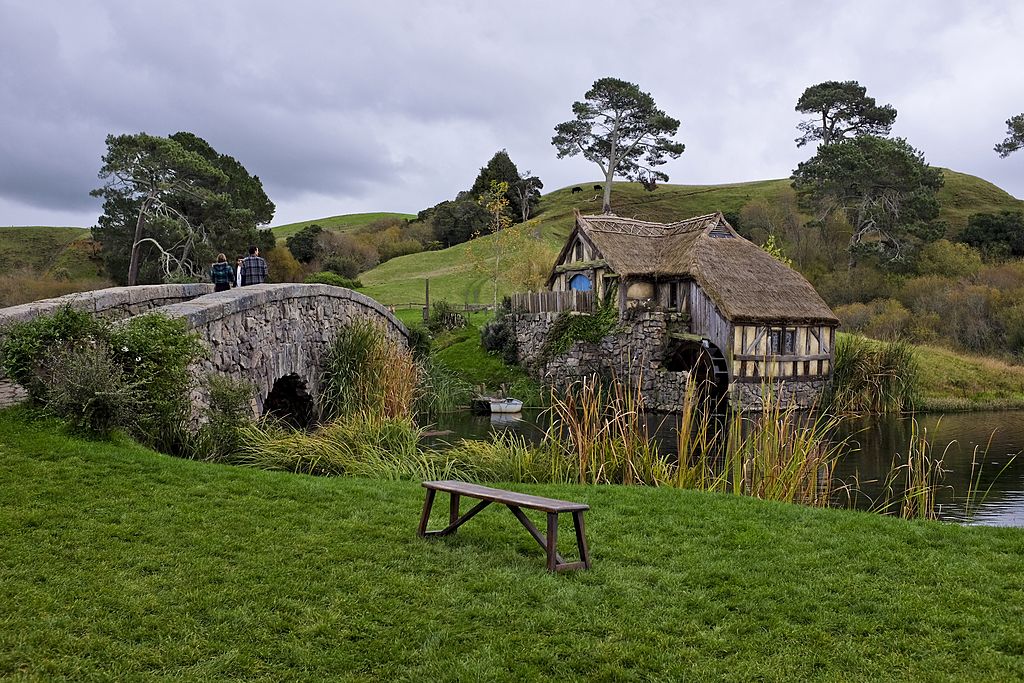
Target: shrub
(229, 412)
(327, 278)
(344, 266)
(304, 244)
(28, 347)
(87, 388)
(946, 258)
(420, 343)
(282, 266)
(498, 337)
(444, 318)
(155, 352)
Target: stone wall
(264, 332)
(635, 349)
(114, 303)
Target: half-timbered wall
(781, 350)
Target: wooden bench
(515, 502)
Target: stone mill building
(692, 298)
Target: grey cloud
(395, 105)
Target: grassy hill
(451, 272)
(38, 248)
(343, 223)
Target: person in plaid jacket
(254, 268)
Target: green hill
(39, 248)
(452, 275)
(343, 223)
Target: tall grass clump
(441, 389)
(366, 371)
(912, 486)
(359, 444)
(871, 377)
(784, 453)
(601, 429)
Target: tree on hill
(523, 191)
(620, 129)
(305, 244)
(996, 234)
(170, 204)
(1014, 136)
(526, 194)
(884, 189)
(841, 110)
(458, 221)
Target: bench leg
(581, 538)
(425, 517)
(453, 508)
(552, 542)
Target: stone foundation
(635, 349)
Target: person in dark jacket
(222, 274)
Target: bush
(948, 259)
(146, 362)
(441, 389)
(326, 278)
(282, 266)
(88, 389)
(345, 266)
(498, 337)
(444, 318)
(304, 244)
(229, 412)
(155, 352)
(28, 347)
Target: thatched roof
(745, 282)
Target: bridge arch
(263, 333)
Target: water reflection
(960, 439)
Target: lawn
(120, 563)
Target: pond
(988, 439)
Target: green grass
(39, 248)
(119, 563)
(343, 223)
(956, 381)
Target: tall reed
(602, 429)
(785, 453)
(366, 371)
(913, 483)
(872, 377)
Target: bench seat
(515, 502)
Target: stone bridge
(260, 334)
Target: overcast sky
(343, 107)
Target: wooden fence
(553, 302)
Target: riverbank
(951, 381)
(120, 562)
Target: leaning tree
(170, 203)
(621, 129)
